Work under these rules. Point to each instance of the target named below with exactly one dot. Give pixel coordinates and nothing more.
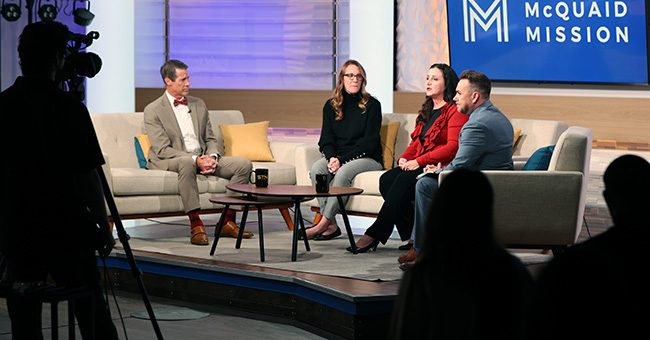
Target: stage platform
(327, 291)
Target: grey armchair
(544, 209)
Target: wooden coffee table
(299, 193)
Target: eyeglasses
(354, 76)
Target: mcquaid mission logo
(600, 41)
(496, 17)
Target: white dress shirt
(184, 119)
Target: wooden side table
(298, 194)
(246, 202)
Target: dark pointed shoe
(372, 246)
(406, 246)
(321, 237)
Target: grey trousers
(329, 206)
(425, 190)
(236, 169)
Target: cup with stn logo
(260, 177)
(322, 183)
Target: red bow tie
(182, 101)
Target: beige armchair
(544, 209)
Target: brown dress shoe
(409, 256)
(407, 265)
(199, 237)
(230, 229)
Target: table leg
(294, 238)
(54, 315)
(71, 330)
(242, 225)
(260, 226)
(346, 221)
(217, 229)
(302, 229)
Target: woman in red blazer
(434, 141)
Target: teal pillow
(142, 160)
(540, 159)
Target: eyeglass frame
(353, 76)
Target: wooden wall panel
(282, 108)
(618, 119)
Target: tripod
(124, 239)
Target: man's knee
(245, 166)
(426, 186)
(186, 165)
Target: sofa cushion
(130, 181)
(142, 146)
(368, 181)
(279, 173)
(247, 140)
(388, 136)
(540, 159)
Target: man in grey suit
(485, 143)
(182, 140)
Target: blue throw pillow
(540, 159)
(142, 159)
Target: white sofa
(535, 134)
(544, 209)
(146, 193)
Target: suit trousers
(397, 187)
(329, 206)
(425, 191)
(235, 169)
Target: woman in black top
(349, 142)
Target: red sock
(230, 216)
(195, 220)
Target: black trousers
(397, 187)
(69, 263)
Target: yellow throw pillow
(247, 140)
(388, 134)
(516, 138)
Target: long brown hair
(337, 95)
(451, 80)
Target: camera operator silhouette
(53, 214)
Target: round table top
(285, 190)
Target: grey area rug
(325, 257)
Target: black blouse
(356, 135)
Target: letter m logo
(496, 14)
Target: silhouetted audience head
(627, 189)
(41, 47)
(462, 211)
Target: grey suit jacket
(165, 133)
(485, 141)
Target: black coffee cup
(260, 176)
(322, 183)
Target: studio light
(11, 12)
(82, 16)
(48, 12)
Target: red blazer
(440, 142)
